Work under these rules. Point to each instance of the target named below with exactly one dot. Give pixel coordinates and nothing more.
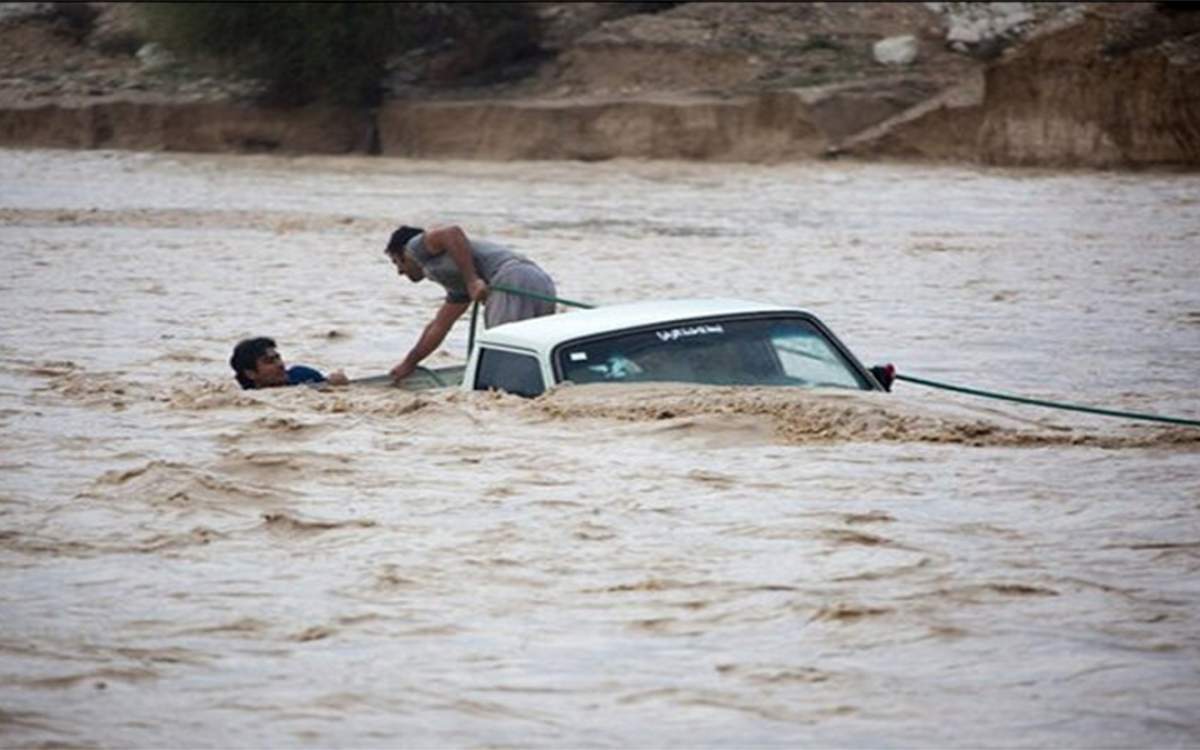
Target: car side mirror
(885, 374)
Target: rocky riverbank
(1066, 84)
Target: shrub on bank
(337, 51)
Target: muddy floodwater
(185, 564)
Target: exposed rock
(896, 50)
(740, 48)
(985, 29)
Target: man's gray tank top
(490, 258)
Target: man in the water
(257, 364)
(467, 269)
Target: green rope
(1050, 404)
(432, 375)
(542, 297)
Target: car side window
(510, 372)
(808, 357)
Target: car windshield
(752, 351)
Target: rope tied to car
(1049, 404)
(539, 296)
(892, 374)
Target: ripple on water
(636, 565)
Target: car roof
(545, 332)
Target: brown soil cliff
(1109, 85)
(1121, 87)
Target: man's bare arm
(453, 241)
(431, 338)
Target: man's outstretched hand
(401, 371)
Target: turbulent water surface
(184, 564)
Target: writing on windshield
(677, 333)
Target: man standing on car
(467, 269)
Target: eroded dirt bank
(159, 124)
(1101, 86)
(1110, 90)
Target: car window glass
(509, 372)
(758, 351)
(806, 355)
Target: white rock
(968, 24)
(896, 50)
(22, 11)
(966, 31)
(153, 56)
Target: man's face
(407, 267)
(269, 370)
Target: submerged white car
(709, 341)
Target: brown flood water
(186, 565)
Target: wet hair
(245, 357)
(400, 238)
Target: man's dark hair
(400, 238)
(245, 357)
